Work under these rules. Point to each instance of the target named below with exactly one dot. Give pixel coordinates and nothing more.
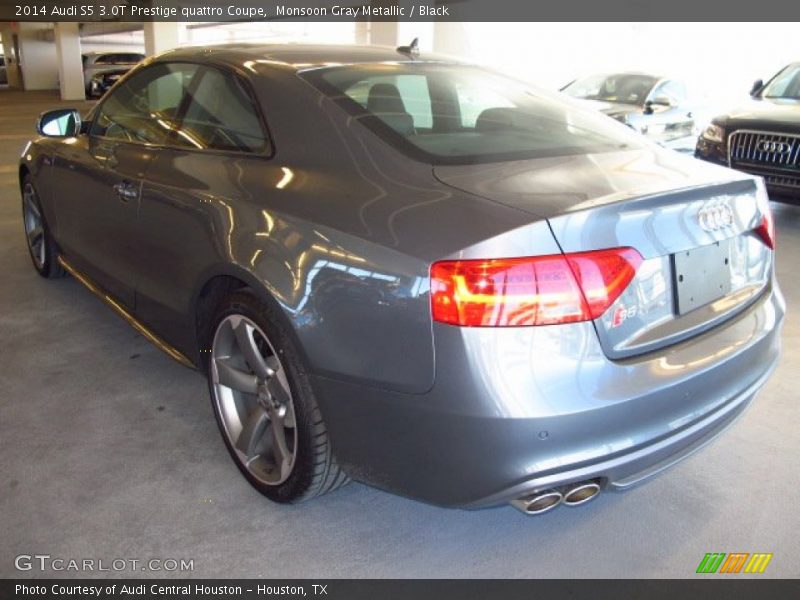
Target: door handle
(126, 191)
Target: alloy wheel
(34, 226)
(254, 400)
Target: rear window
(449, 114)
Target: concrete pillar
(383, 33)
(70, 66)
(37, 56)
(450, 38)
(161, 36)
(361, 36)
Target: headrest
(385, 98)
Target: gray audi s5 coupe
(413, 272)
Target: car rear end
(582, 353)
(647, 334)
(628, 320)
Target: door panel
(102, 174)
(96, 203)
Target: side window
(221, 115)
(144, 108)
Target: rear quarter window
(222, 115)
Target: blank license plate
(702, 275)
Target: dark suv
(763, 137)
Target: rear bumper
(519, 410)
(630, 469)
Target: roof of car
(629, 73)
(103, 52)
(299, 56)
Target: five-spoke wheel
(40, 245)
(254, 400)
(34, 225)
(265, 405)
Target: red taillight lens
(540, 290)
(766, 229)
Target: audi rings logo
(775, 147)
(715, 216)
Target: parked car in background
(416, 273)
(95, 63)
(762, 137)
(656, 107)
(102, 82)
(3, 71)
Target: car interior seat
(385, 102)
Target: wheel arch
(219, 282)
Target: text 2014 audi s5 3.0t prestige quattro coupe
(411, 272)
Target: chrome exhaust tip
(581, 493)
(538, 503)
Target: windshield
(623, 88)
(447, 114)
(785, 84)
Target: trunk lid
(693, 224)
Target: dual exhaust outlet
(573, 494)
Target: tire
(41, 246)
(248, 404)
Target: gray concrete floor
(108, 449)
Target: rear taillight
(766, 229)
(539, 290)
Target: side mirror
(663, 101)
(65, 122)
(757, 85)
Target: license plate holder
(701, 275)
